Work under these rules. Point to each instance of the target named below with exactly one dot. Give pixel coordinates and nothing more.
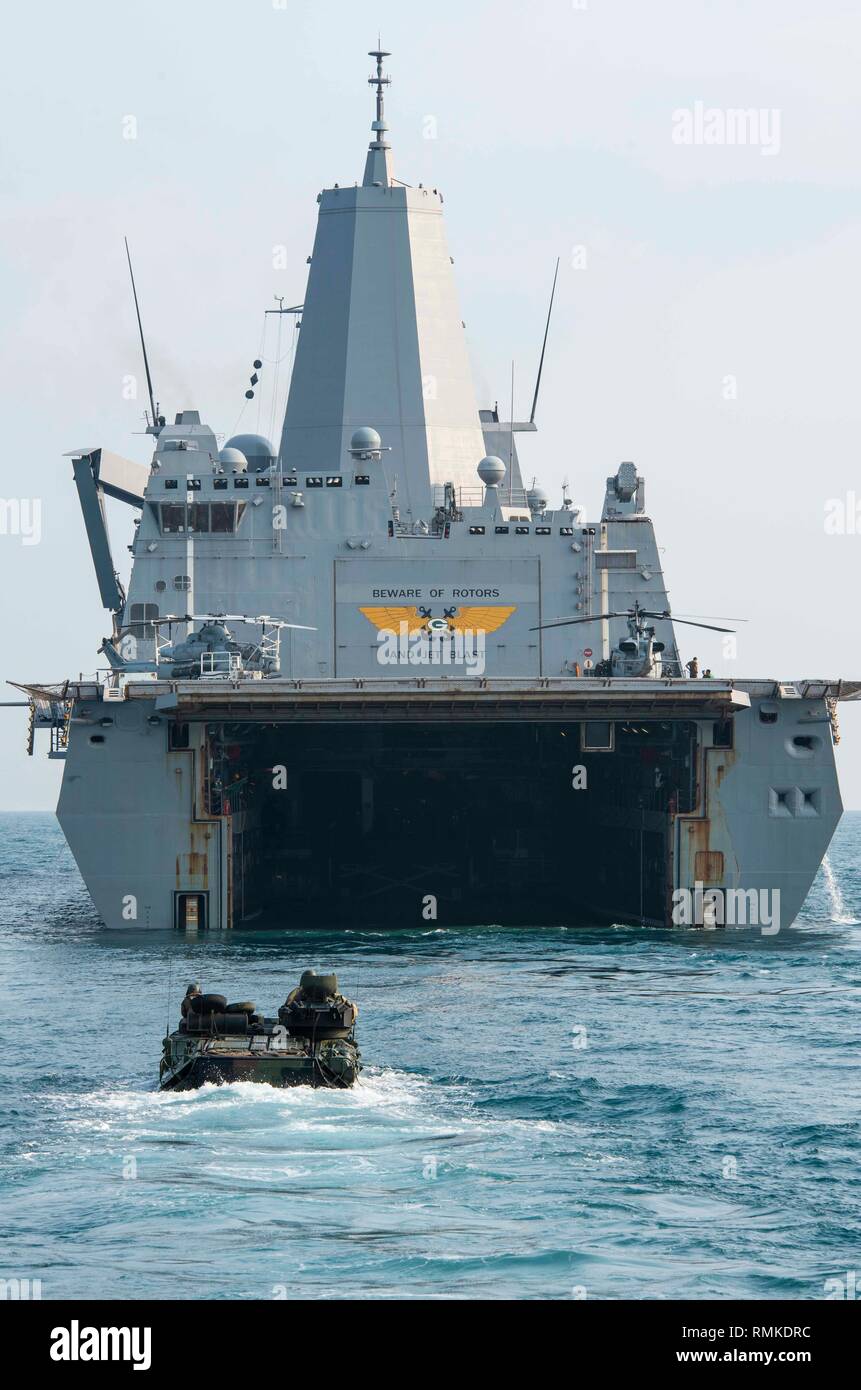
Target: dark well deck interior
(367, 821)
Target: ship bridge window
(566, 530)
(476, 530)
(502, 530)
(542, 530)
(262, 482)
(224, 516)
(336, 480)
(172, 518)
(616, 559)
(171, 484)
(140, 619)
(362, 479)
(314, 482)
(240, 482)
(201, 518)
(521, 530)
(220, 484)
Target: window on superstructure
(223, 517)
(182, 582)
(177, 736)
(141, 616)
(616, 559)
(172, 518)
(722, 733)
(597, 736)
(198, 516)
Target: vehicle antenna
(169, 981)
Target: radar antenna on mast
(156, 420)
(377, 80)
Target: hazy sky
(708, 305)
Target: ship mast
(378, 168)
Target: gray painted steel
(406, 539)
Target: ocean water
(608, 1113)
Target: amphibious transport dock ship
(466, 705)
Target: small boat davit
(310, 1043)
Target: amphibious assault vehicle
(310, 1043)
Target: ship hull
(517, 803)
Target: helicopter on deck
(638, 654)
(210, 651)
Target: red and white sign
(587, 651)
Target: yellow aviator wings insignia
(485, 618)
(390, 619)
(480, 619)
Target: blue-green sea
(607, 1113)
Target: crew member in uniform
(192, 990)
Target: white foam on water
(839, 911)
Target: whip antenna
(155, 419)
(544, 345)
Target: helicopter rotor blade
(688, 622)
(566, 622)
(708, 617)
(634, 613)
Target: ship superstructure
(339, 689)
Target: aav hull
(333, 1068)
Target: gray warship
(366, 676)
